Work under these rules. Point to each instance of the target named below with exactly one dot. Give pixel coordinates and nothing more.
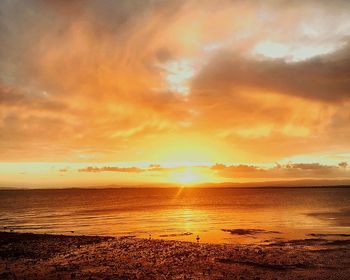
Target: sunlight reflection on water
(179, 214)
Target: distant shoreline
(174, 187)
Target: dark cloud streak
(325, 78)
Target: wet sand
(40, 256)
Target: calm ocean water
(180, 214)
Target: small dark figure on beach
(150, 236)
(197, 238)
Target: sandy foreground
(38, 256)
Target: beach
(45, 256)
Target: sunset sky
(156, 91)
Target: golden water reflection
(180, 214)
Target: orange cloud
(284, 172)
(243, 171)
(111, 169)
(230, 81)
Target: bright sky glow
(178, 73)
(290, 52)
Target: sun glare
(187, 176)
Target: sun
(187, 176)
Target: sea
(207, 215)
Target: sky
(173, 91)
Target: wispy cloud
(284, 171)
(111, 169)
(243, 171)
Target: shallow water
(180, 214)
